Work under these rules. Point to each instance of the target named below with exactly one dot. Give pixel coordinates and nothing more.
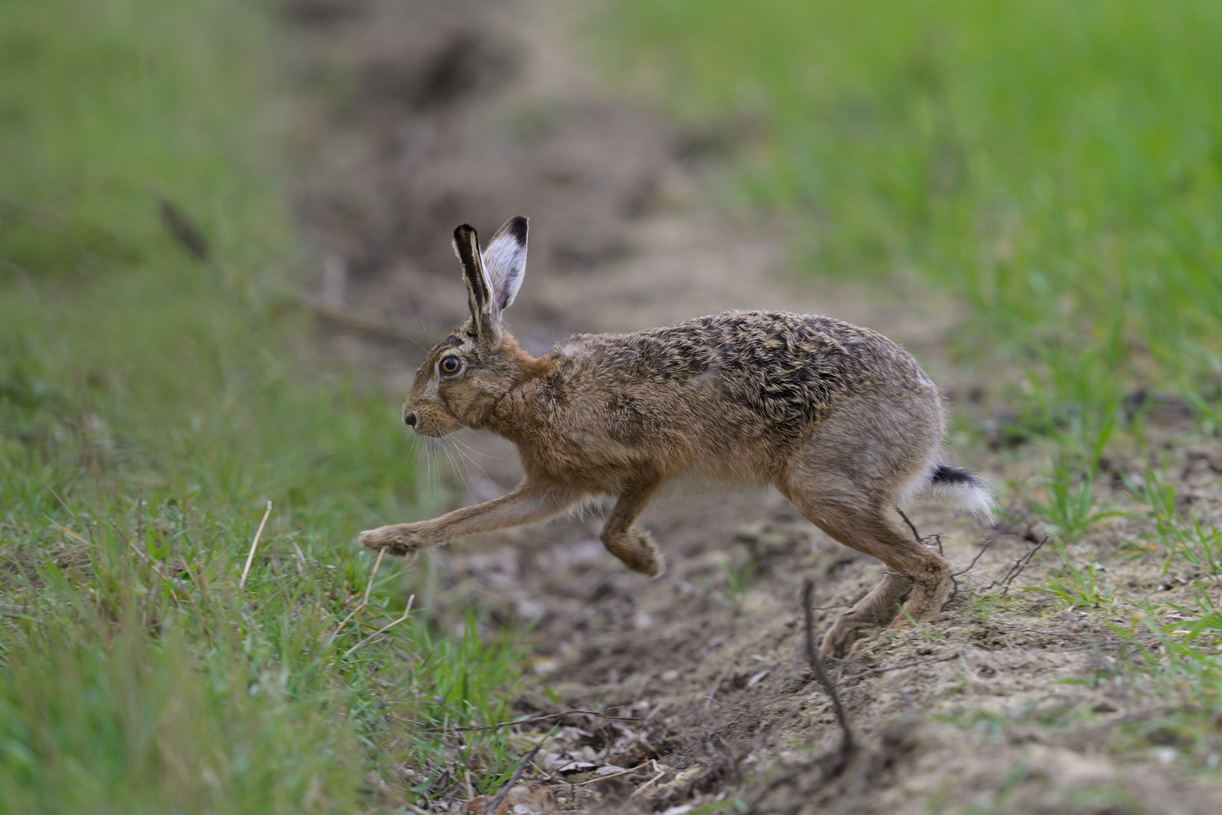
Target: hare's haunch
(842, 421)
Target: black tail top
(949, 474)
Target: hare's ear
(505, 262)
(485, 316)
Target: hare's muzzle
(409, 417)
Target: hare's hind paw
(401, 540)
(845, 637)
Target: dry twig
(954, 578)
(1017, 569)
(911, 525)
(829, 765)
(533, 720)
(847, 744)
(936, 538)
(615, 775)
(384, 628)
(984, 548)
(253, 545)
(526, 759)
(364, 600)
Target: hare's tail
(956, 488)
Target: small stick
(650, 782)
(1017, 569)
(364, 601)
(954, 577)
(937, 539)
(1021, 565)
(526, 759)
(812, 654)
(70, 533)
(972, 565)
(372, 575)
(911, 525)
(827, 765)
(532, 720)
(614, 775)
(253, 545)
(383, 629)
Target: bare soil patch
(421, 115)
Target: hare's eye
(450, 365)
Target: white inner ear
(505, 266)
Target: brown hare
(842, 421)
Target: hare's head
(464, 376)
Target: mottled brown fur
(842, 421)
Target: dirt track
(422, 115)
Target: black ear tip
(518, 227)
(462, 231)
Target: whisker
(454, 467)
(434, 469)
(458, 461)
(470, 460)
(472, 450)
(417, 342)
(475, 464)
(430, 465)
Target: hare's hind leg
(836, 505)
(633, 546)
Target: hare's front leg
(529, 503)
(633, 546)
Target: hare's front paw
(637, 551)
(403, 540)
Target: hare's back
(785, 369)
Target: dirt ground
(417, 116)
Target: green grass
(1168, 668)
(1056, 167)
(151, 405)
(1068, 503)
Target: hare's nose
(409, 418)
